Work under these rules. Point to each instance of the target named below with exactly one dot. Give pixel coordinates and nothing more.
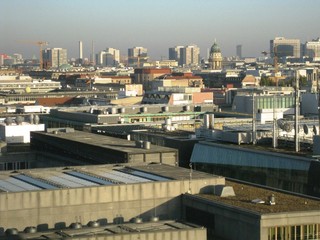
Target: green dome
(65, 66)
(215, 48)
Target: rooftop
(91, 175)
(284, 202)
(106, 142)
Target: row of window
(300, 232)
(7, 166)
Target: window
(299, 232)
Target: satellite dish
(305, 129)
(315, 131)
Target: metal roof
(74, 177)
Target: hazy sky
(156, 25)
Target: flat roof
(107, 142)
(284, 201)
(92, 175)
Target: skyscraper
(80, 50)
(189, 55)
(109, 57)
(174, 53)
(137, 56)
(239, 51)
(54, 58)
(284, 47)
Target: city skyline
(156, 26)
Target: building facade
(174, 53)
(312, 48)
(137, 56)
(108, 58)
(54, 58)
(215, 57)
(283, 47)
(189, 55)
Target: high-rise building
(189, 55)
(312, 48)
(215, 58)
(109, 57)
(174, 53)
(239, 51)
(137, 56)
(54, 58)
(284, 47)
(80, 50)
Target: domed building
(215, 57)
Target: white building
(108, 58)
(54, 58)
(190, 55)
(18, 130)
(312, 49)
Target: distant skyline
(155, 25)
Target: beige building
(189, 55)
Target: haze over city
(156, 25)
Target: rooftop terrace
(245, 193)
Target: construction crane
(40, 44)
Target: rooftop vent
(93, 224)
(137, 220)
(154, 219)
(271, 200)
(224, 191)
(11, 231)
(75, 225)
(30, 230)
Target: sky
(155, 25)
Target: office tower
(80, 50)
(283, 47)
(174, 53)
(215, 58)
(54, 58)
(312, 48)
(239, 51)
(189, 55)
(108, 58)
(137, 56)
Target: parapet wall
(50, 208)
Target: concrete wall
(229, 222)
(236, 223)
(188, 234)
(47, 208)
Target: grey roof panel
(149, 176)
(9, 187)
(34, 181)
(89, 178)
(23, 185)
(78, 181)
(124, 177)
(65, 182)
